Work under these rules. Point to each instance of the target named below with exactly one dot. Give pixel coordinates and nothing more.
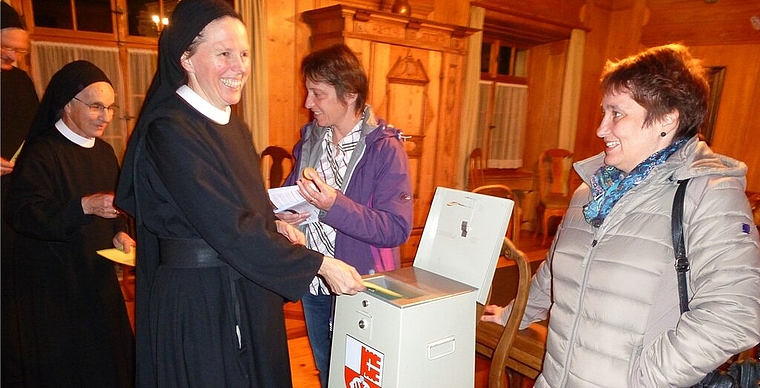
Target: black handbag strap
(679, 248)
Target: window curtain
(142, 67)
(255, 101)
(468, 128)
(49, 57)
(507, 136)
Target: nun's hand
(340, 277)
(294, 219)
(100, 204)
(290, 232)
(6, 167)
(123, 242)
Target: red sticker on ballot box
(364, 365)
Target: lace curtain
(509, 117)
(142, 66)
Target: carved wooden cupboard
(416, 72)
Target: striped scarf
(332, 169)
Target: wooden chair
(477, 167)
(554, 167)
(276, 164)
(495, 341)
(526, 358)
(502, 191)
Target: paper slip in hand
(288, 199)
(119, 256)
(18, 151)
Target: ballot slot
(409, 286)
(391, 289)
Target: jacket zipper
(576, 321)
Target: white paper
(288, 199)
(18, 151)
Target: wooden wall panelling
(702, 23)
(452, 70)
(284, 121)
(721, 35)
(717, 33)
(546, 66)
(407, 102)
(614, 33)
(736, 130)
(589, 112)
(404, 101)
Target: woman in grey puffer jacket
(609, 282)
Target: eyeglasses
(17, 50)
(99, 108)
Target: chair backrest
(493, 340)
(477, 168)
(276, 164)
(554, 168)
(503, 191)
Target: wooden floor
(302, 364)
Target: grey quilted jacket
(612, 292)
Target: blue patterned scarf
(609, 184)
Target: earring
(663, 134)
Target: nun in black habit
(213, 267)
(73, 322)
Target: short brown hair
(338, 66)
(662, 79)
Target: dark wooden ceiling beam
(523, 29)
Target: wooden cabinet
(416, 73)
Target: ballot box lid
(463, 237)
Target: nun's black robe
(196, 179)
(75, 331)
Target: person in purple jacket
(361, 185)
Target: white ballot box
(414, 327)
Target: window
(499, 61)
(503, 97)
(148, 17)
(123, 20)
(501, 123)
(86, 15)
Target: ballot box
(415, 326)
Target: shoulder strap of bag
(679, 249)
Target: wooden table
(515, 179)
(522, 183)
